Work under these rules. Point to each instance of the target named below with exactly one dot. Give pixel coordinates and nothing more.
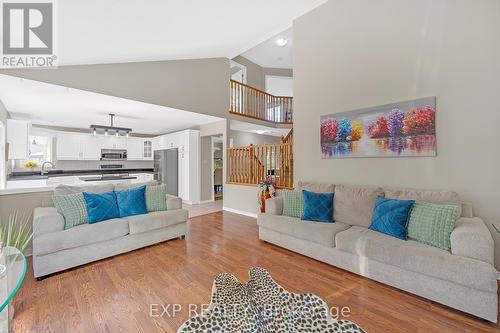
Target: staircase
(251, 164)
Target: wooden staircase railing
(257, 104)
(251, 164)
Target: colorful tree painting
(356, 130)
(380, 128)
(398, 129)
(395, 122)
(344, 133)
(329, 129)
(419, 121)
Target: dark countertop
(103, 178)
(33, 175)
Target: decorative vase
(264, 195)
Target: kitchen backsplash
(92, 165)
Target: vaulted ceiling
(96, 31)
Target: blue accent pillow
(391, 217)
(101, 206)
(131, 201)
(318, 206)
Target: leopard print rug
(263, 306)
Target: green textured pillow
(432, 224)
(72, 207)
(293, 203)
(155, 198)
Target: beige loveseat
(56, 249)
(463, 278)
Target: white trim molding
(498, 275)
(236, 211)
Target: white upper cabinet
(18, 139)
(90, 147)
(113, 142)
(134, 149)
(69, 146)
(147, 149)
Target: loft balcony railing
(257, 104)
(249, 165)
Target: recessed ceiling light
(281, 42)
(260, 131)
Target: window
(40, 150)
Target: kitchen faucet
(43, 172)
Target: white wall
(241, 199)
(241, 138)
(360, 53)
(279, 85)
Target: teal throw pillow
(390, 217)
(131, 201)
(318, 206)
(101, 206)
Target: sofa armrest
(173, 202)
(274, 205)
(472, 239)
(46, 220)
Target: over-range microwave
(113, 154)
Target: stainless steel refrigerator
(166, 169)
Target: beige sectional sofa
(463, 278)
(56, 249)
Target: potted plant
(267, 189)
(15, 233)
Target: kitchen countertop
(33, 175)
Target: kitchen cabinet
(18, 139)
(90, 147)
(135, 149)
(187, 143)
(147, 149)
(68, 146)
(72, 146)
(113, 142)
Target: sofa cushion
(432, 196)
(315, 187)
(354, 204)
(417, 257)
(70, 189)
(125, 186)
(156, 220)
(80, 235)
(317, 232)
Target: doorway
(217, 167)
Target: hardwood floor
(114, 295)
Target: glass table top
(12, 272)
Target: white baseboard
(241, 212)
(206, 201)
